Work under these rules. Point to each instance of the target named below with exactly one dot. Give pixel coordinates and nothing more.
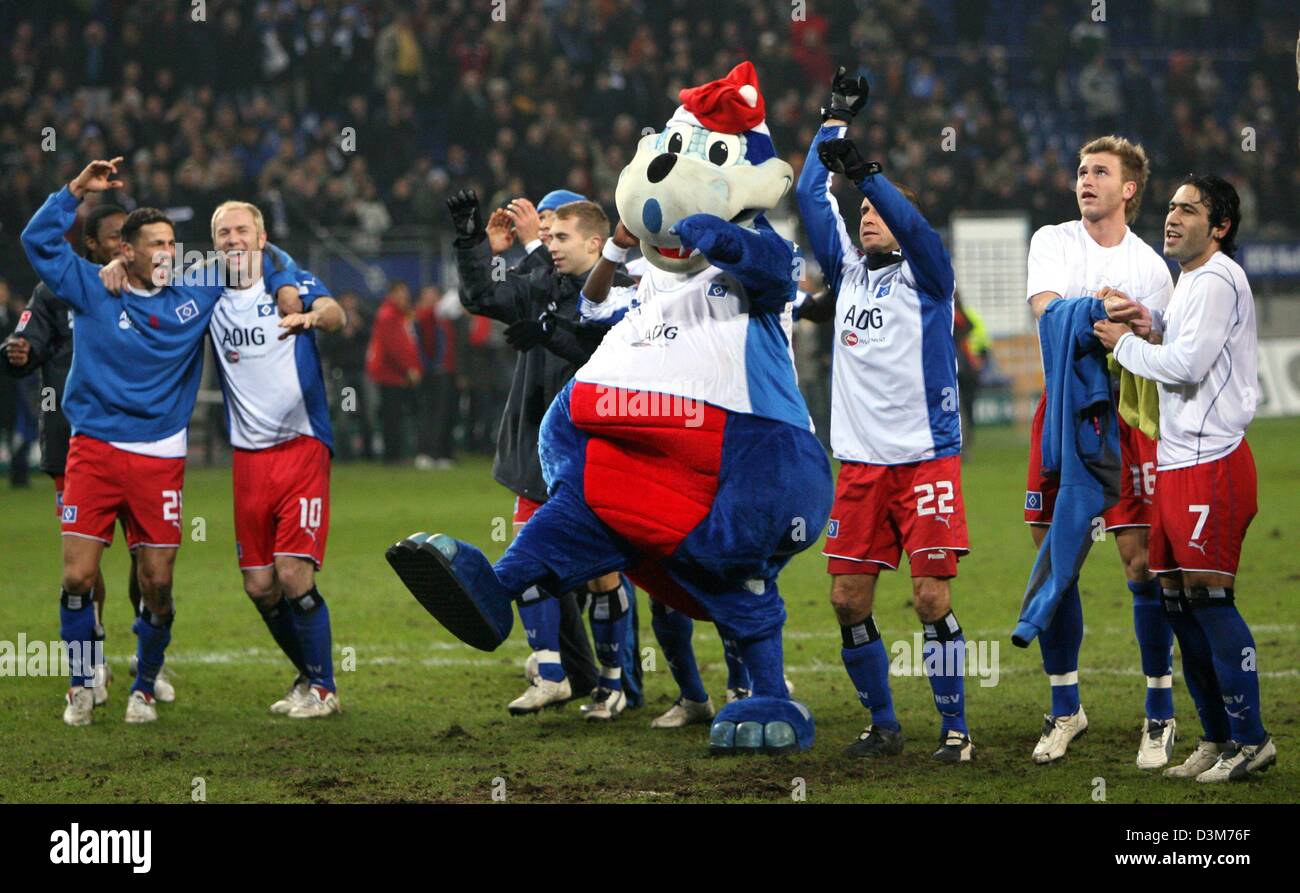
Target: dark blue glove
(716, 239)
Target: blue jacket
(138, 358)
(1081, 445)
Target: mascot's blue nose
(651, 214)
(661, 167)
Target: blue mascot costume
(682, 453)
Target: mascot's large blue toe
(762, 725)
(456, 584)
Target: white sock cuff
(1071, 678)
(547, 657)
(1160, 681)
(611, 672)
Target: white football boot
(318, 701)
(140, 708)
(80, 707)
(606, 704)
(531, 671)
(1206, 755)
(1058, 732)
(685, 713)
(541, 693)
(103, 679)
(1157, 744)
(296, 695)
(1241, 761)
(162, 686)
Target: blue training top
(138, 357)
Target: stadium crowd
(362, 117)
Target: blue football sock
(279, 620)
(673, 630)
(311, 618)
(609, 615)
(867, 661)
(737, 672)
(1198, 667)
(153, 633)
(540, 616)
(1235, 664)
(944, 653)
(1060, 644)
(77, 630)
(1156, 644)
(631, 653)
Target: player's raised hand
(528, 223)
(297, 323)
(17, 350)
(848, 96)
(465, 214)
(97, 177)
(113, 276)
(623, 237)
(841, 157)
(499, 232)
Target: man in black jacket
(539, 302)
(42, 343)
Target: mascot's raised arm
(682, 453)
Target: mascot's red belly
(651, 473)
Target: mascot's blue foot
(762, 725)
(456, 584)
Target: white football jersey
(274, 390)
(1064, 259)
(1206, 365)
(693, 336)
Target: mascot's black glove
(848, 96)
(526, 334)
(841, 157)
(465, 216)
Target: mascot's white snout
(658, 189)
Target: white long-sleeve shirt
(1206, 367)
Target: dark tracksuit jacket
(47, 326)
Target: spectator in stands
(393, 364)
(438, 398)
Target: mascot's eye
(723, 149)
(676, 143)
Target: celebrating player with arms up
(134, 378)
(895, 426)
(1206, 486)
(1084, 258)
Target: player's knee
(296, 575)
(79, 580)
(851, 597)
(931, 597)
(1136, 567)
(263, 594)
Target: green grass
(425, 716)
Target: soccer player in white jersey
(1202, 350)
(278, 419)
(1072, 260)
(895, 426)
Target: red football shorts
(58, 495)
(1137, 478)
(282, 502)
(881, 510)
(525, 508)
(102, 483)
(1201, 514)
